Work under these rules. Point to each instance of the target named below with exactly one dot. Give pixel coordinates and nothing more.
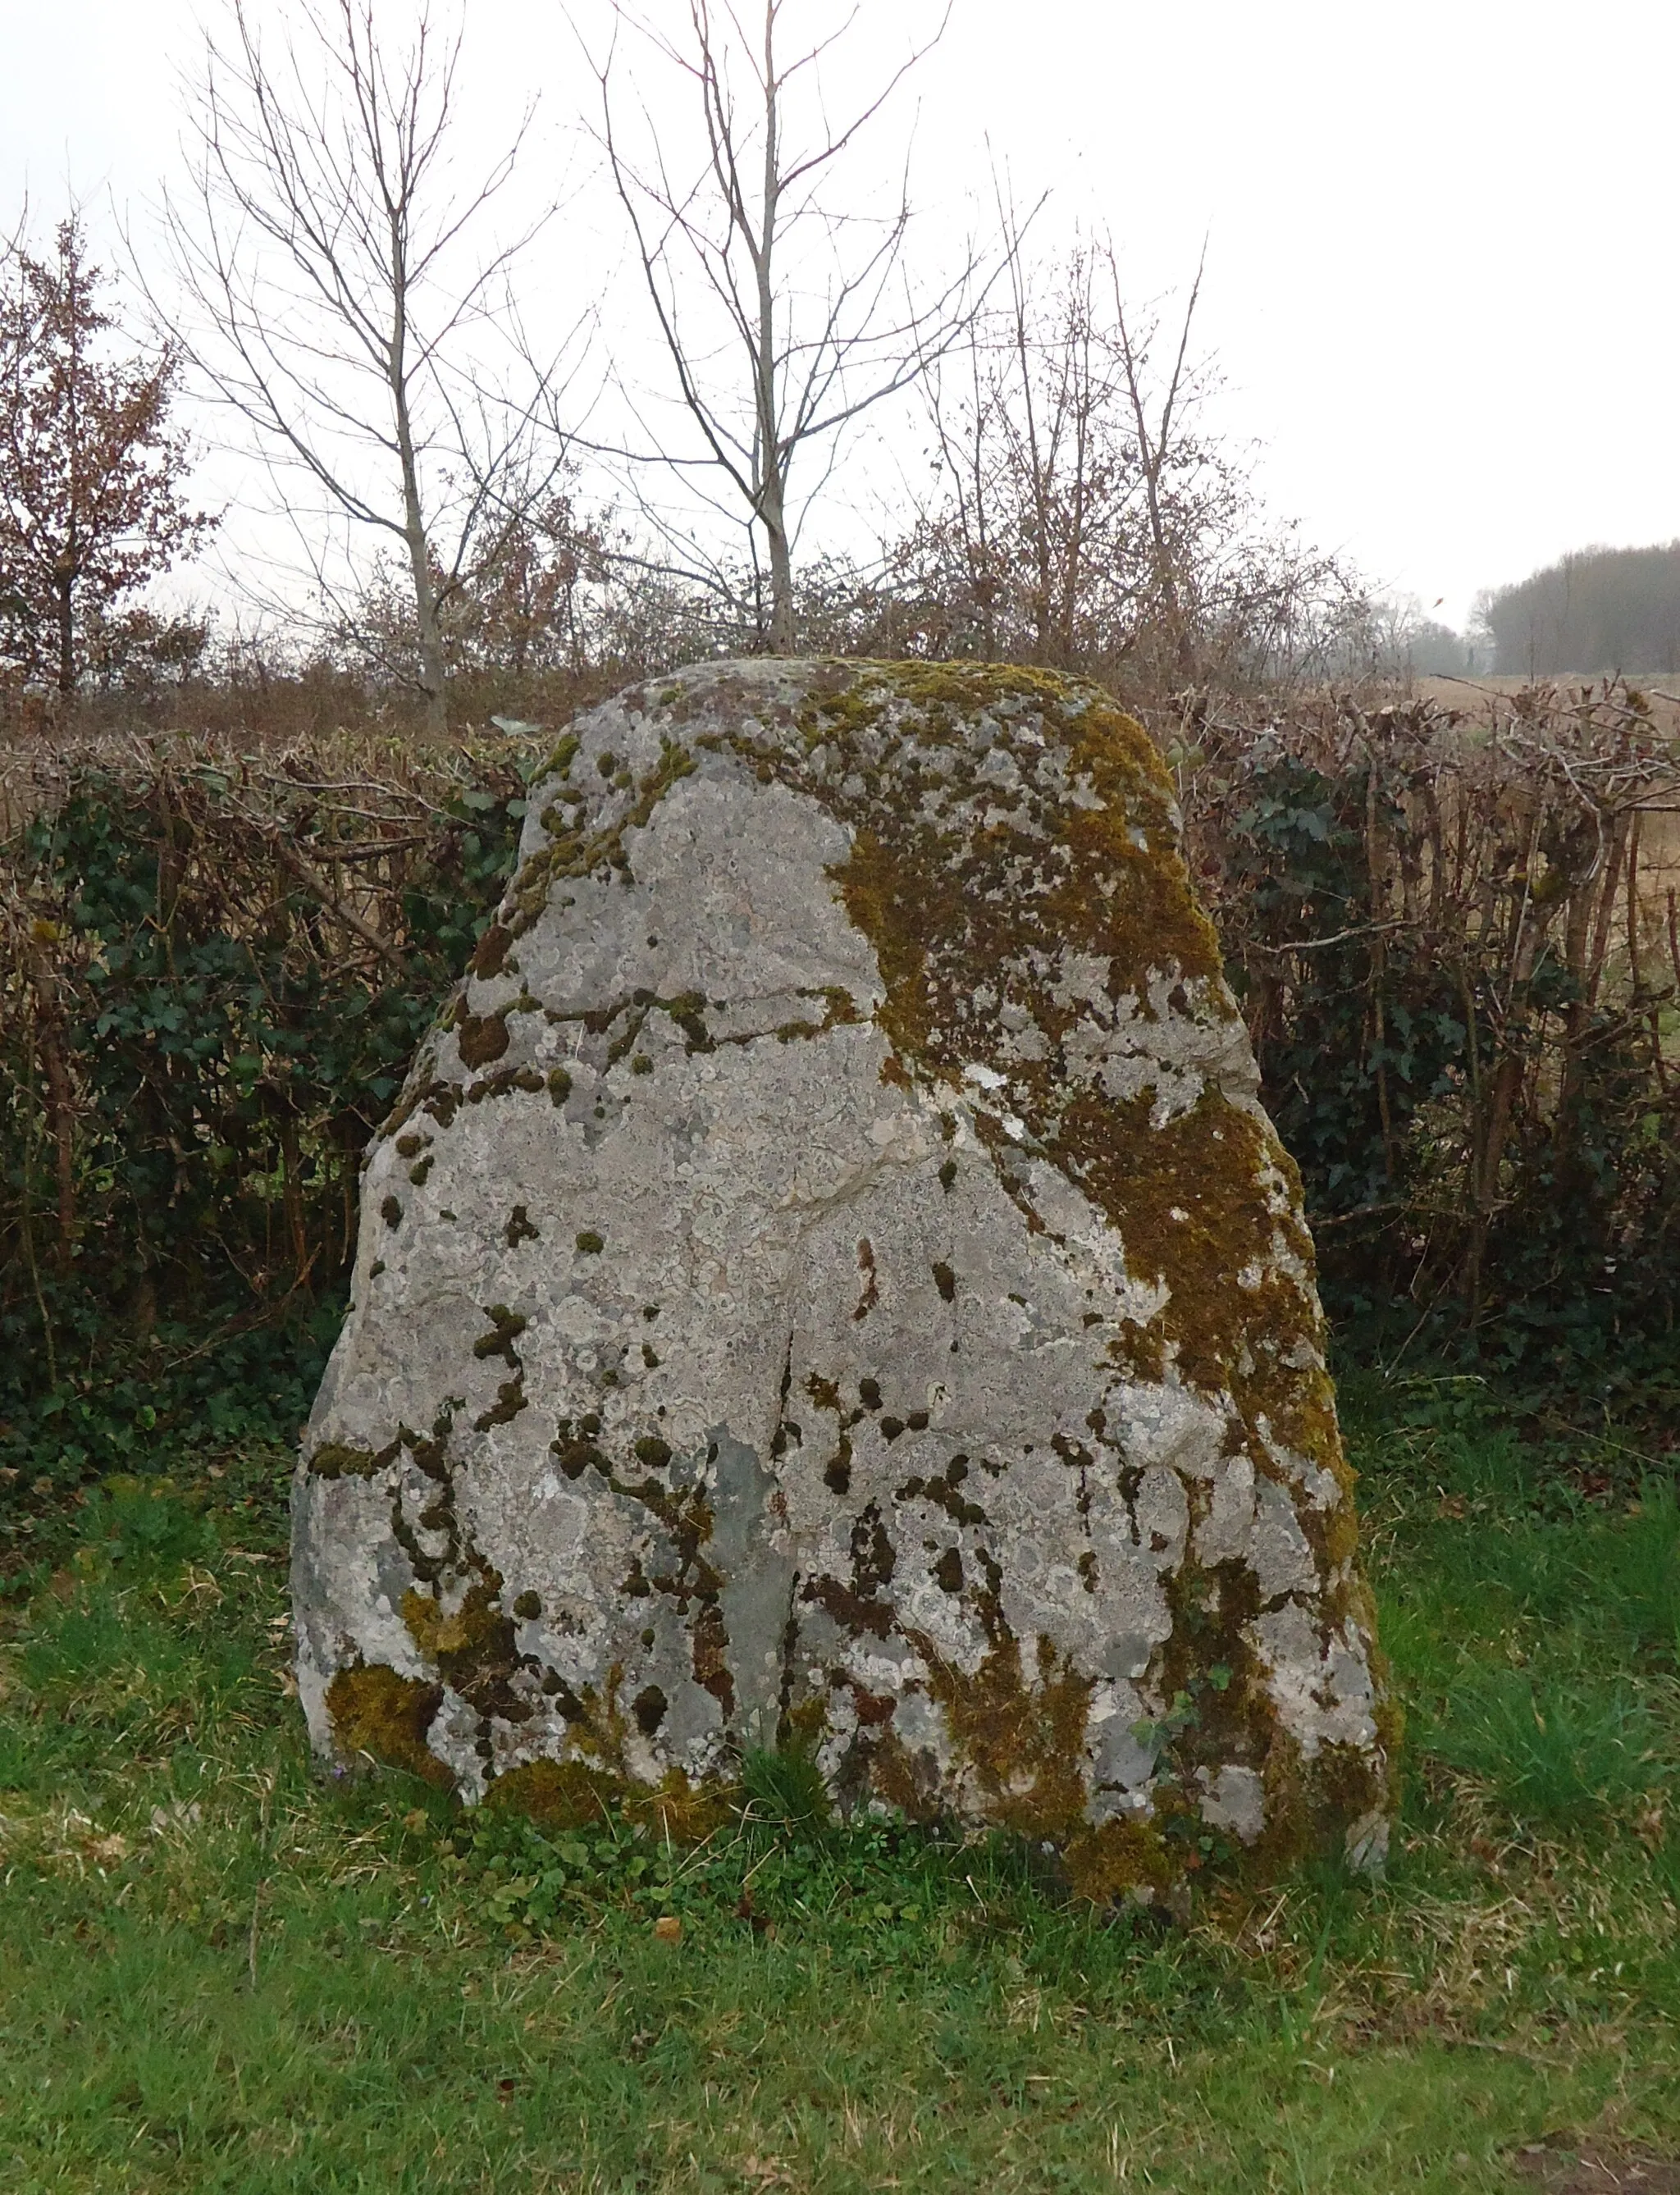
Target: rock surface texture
(830, 1283)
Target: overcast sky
(1441, 274)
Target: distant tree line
(1595, 612)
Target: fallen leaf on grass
(746, 1911)
(178, 1815)
(668, 1928)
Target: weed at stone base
(870, 1882)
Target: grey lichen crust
(829, 1281)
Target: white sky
(1442, 279)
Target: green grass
(218, 1971)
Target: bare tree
(1038, 529)
(1158, 452)
(1068, 489)
(324, 246)
(785, 308)
(1083, 514)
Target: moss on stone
(985, 883)
(1022, 1741)
(561, 1795)
(559, 762)
(340, 1459)
(574, 852)
(510, 1400)
(377, 1714)
(1003, 824)
(502, 1084)
(480, 1038)
(505, 1327)
(557, 1795)
(491, 952)
(474, 1647)
(1219, 1711)
(1099, 874)
(1127, 1854)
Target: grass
(220, 1971)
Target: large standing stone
(829, 1281)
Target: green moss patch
(338, 1460)
(376, 1712)
(575, 850)
(1022, 1740)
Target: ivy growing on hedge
(1458, 967)
(219, 970)
(1455, 941)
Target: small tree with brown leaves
(91, 468)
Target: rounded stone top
(1012, 854)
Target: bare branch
(793, 363)
(319, 245)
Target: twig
(311, 878)
(250, 1945)
(1341, 937)
(1620, 1447)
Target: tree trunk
(68, 568)
(1166, 574)
(64, 581)
(783, 639)
(772, 457)
(433, 677)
